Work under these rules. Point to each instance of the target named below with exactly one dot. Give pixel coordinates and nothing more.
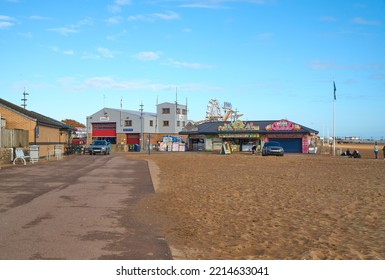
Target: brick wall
(14, 120)
(48, 136)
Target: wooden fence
(13, 138)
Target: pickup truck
(100, 147)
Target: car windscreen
(270, 144)
(99, 143)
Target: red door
(132, 139)
(104, 130)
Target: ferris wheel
(213, 112)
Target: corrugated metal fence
(13, 138)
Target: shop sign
(283, 125)
(238, 126)
(239, 135)
(128, 129)
(283, 135)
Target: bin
(136, 148)
(339, 151)
(58, 151)
(34, 153)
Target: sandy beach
(239, 206)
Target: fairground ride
(214, 113)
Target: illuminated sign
(283, 125)
(238, 126)
(238, 135)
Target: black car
(272, 148)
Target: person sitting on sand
(347, 153)
(356, 154)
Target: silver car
(272, 148)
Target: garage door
(132, 138)
(104, 130)
(290, 145)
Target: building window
(178, 110)
(177, 123)
(166, 123)
(165, 110)
(151, 123)
(127, 122)
(184, 111)
(184, 124)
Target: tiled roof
(212, 128)
(41, 119)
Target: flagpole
(334, 120)
(334, 127)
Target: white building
(172, 117)
(129, 127)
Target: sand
(239, 206)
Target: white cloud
(66, 52)
(116, 36)
(114, 20)
(104, 52)
(122, 2)
(217, 4)
(100, 53)
(69, 52)
(166, 16)
(73, 28)
(64, 30)
(137, 18)
(39, 18)
(362, 21)
(319, 65)
(6, 21)
(110, 83)
(116, 7)
(155, 16)
(189, 65)
(107, 83)
(148, 55)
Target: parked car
(272, 148)
(100, 147)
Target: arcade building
(242, 135)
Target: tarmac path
(82, 207)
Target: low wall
(5, 155)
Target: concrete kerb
(155, 178)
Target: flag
(334, 84)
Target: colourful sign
(237, 126)
(283, 125)
(238, 135)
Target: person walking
(375, 150)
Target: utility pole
(141, 126)
(24, 99)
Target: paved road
(81, 207)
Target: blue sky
(271, 59)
